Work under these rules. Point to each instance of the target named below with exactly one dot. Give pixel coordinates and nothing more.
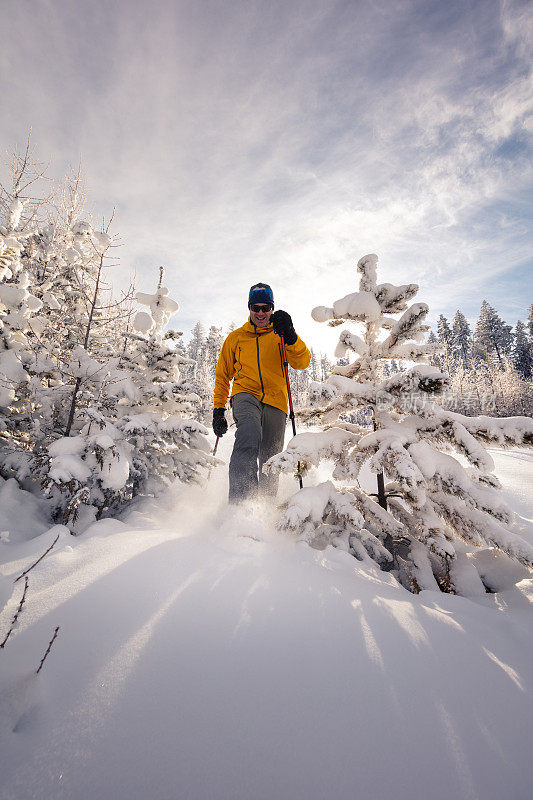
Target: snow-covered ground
(205, 656)
(515, 471)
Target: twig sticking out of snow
(52, 640)
(39, 559)
(17, 614)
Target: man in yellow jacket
(251, 356)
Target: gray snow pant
(260, 435)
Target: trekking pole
(210, 470)
(291, 415)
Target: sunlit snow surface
(515, 470)
(202, 655)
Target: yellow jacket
(252, 358)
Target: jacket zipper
(258, 364)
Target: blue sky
(280, 141)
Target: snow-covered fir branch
(434, 482)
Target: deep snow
(207, 656)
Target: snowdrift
(212, 657)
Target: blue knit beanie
(260, 293)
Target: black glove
(220, 425)
(282, 323)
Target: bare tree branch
(17, 614)
(23, 574)
(52, 640)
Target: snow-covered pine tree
(213, 346)
(299, 380)
(75, 370)
(522, 355)
(203, 350)
(461, 338)
(325, 366)
(446, 338)
(434, 359)
(485, 388)
(18, 309)
(63, 263)
(514, 393)
(131, 433)
(21, 314)
(158, 420)
(80, 457)
(315, 371)
(196, 347)
(492, 337)
(530, 323)
(427, 503)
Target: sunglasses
(258, 309)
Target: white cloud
(244, 143)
